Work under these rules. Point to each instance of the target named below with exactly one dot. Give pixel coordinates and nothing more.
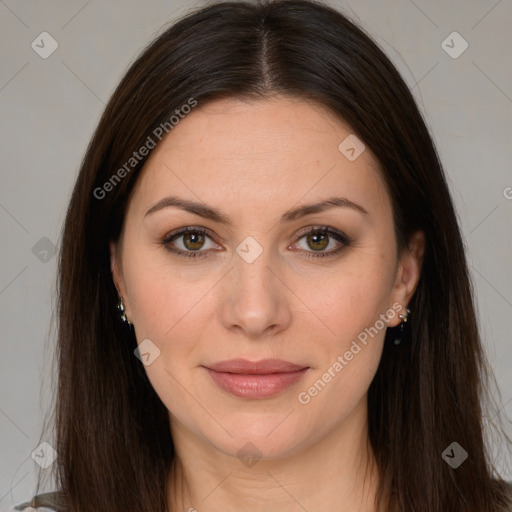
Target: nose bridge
(255, 299)
(254, 279)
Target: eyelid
(341, 238)
(181, 231)
(177, 233)
(322, 228)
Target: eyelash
(337, 235)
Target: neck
(337, 472)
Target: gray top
(26, 508)
(47, 502)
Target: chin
(259, 439)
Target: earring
(121, 308)
(399, 337)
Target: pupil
(194, 236)
(315, 238)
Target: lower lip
(256, 386)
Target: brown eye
(193, 240)
(190, 242)
(317, 241)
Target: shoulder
(47, 502)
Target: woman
(321, 354)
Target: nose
(255, 298)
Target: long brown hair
(112, 431)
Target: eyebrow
(216, 215)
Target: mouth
(255, 379)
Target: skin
(264, 157)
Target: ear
(117, 274)
(408, 274)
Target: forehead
(236, 152)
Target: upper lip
(261, 367)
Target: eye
(192, 243)
(320, 238)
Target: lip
(255, 379)
(245, 366)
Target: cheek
(353, 297)
(170, 312)
(350, 303)
(351, 349)
(160, 299)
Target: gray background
(50, 107)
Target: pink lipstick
(255, 379)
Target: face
(249, 279)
